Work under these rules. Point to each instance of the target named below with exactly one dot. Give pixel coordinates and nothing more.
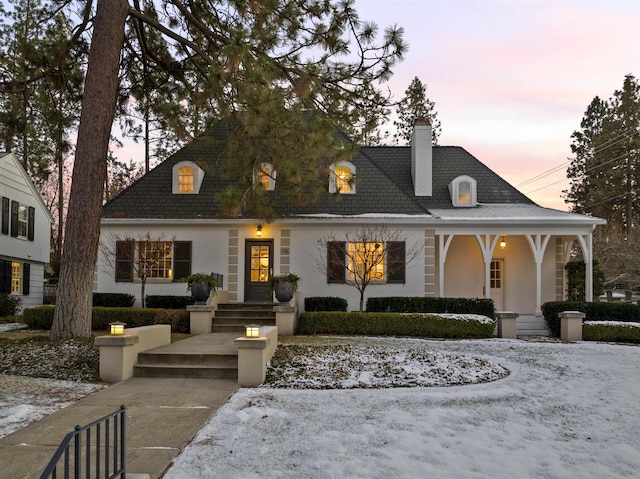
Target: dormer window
(267, 176)
(463, 192)
(187, 178)
(342, 178)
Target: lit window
(366, 260)
(259, 264)
(185, 179)
(267, 176)
(342, 178)
(154, 259)
(16, 277)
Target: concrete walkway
(163, 416)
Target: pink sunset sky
(511, 79)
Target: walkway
(163, 416)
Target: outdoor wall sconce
(259, 231)
(503, 243)
(117, 327)
(252, 331)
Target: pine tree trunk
(73, 305)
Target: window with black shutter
(5, 276)
(5, 215)
(31, 220)
(396, 262)
(181, 259)
(336, 266)
(15, 207)
(124, 260)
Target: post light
(252, 331)
(259, 231)
(503, 243)
(117, 327)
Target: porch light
(252, 331)
(503, 243)
(117, 327)
(259, 231)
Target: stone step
(184, 371)
(189, 359)
(243, 321)
(239, 306)
(228, 328)
(244, 313)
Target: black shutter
(15, 206)
(26, 278)
(124, 260)
(5, 215)
(31, 224)
(396, 262)
(336, 267)
(181, 259)
(5, 276)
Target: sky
(511, 79)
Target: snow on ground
(11, 326)
(564, 411)
(24, 399)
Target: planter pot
(200, 292)
(284, 291)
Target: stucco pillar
(571, 325)
(200, 318)
(507, 324)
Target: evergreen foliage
(414, 105)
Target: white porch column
(444, 241)
(487, 246)
(586, 243)
(538, 245)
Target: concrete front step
(184, 371)
(184, 359)
(244, 313)
(243, 321)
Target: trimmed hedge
(625, 312)
(168, 302)
(616, 333)
(325, 303)
(392, 324)
(41, 317)
(113, 300)
(421, 304)
(9, 305)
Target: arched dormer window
(267, 176)
(342, 178)
(187, 178)
(463, 190)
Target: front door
(258, 256)
(497, 283)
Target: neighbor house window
(463, 190)
(160, 260)
(187, 178)
(342, 178)
(16, 277)
(374, 261)
(22, 220)
(267, 176)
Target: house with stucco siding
(477, 236)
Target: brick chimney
(421, 157)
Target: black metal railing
(94, 451)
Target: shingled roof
(384, 185)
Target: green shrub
(9, 304)
(617, 333)
(624, 312)
(41, 317)
(392, 324)
(113, 300)
(421, 304)
(325, 303)
(168, 302)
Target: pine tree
(413, 105)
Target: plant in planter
(284, 285)
(200, 285)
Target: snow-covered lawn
(564, 411)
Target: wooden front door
(497, 283)
(258, 256)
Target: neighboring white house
(25, 233)
(477, 235)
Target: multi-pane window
(343, 179)
(163, 260)
(185, 179)
(366, 260)
(496, 274)
(154, 259)
(259, 263)
(16, 277)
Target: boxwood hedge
(595, 311)
(421, 304)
